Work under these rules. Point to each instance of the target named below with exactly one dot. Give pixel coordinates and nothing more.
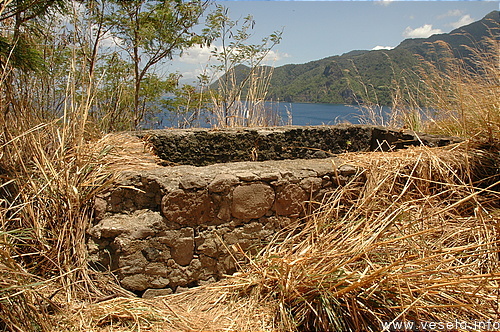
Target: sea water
(302, 114)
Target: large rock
(252, 201)
(290, 200)
(138, 225)
(186, 207)
(204, 146)
(223, 182)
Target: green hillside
(359, 75)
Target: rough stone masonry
(169, 228)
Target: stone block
(136, 282)
(152, 293)
(183, 250)
(156, 269)
(311, 184)
(290, 199)
(223, 182)
(252, 201)
(191, 181)
(187, 208)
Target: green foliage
(17, 21)
(152, 32)
(105, 54)
(342, 79)
(188, 106)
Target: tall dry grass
(414, 237)
(466, 95)
(51, 168)
(416, 241)
(455, 96)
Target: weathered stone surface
(131, 263)
(208, 244)
(290, 199)
(138, 225)
(347, 170)
(183, 146)
(152, 293)
(181, 244)
(191, 181)
(276, 143)
(247, 176)
(183, 250)
(168, 228)
(223, 182)
(249, 236)
(100, 208)
(135, 282)
(252, 201)
(156, 269)
(311, 184)
(159, 282)
(187, 208)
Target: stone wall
(168, 228)
(183, 226)
(201, 147)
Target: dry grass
(206, 308)
(467, 95)
(418, 241)
(413, 237)
(244, 104)
(124, 151)
(454, 96)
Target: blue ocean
(302, 114)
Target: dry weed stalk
(416, 242)
(243, 104)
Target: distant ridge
(337, 79)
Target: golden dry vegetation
(415, 236)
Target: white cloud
(274, 56)
(464, 20)
(451, 13)
(192, 75)
(422, 32)
(203, 55)
(378, 47)
(383, 2)
(196, 55)
(108, 40)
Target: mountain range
(360, 74)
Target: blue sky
(314, 30)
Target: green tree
(16, 16)
(114, 96)
(152, 32)
(18, 32)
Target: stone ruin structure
(221, 193)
